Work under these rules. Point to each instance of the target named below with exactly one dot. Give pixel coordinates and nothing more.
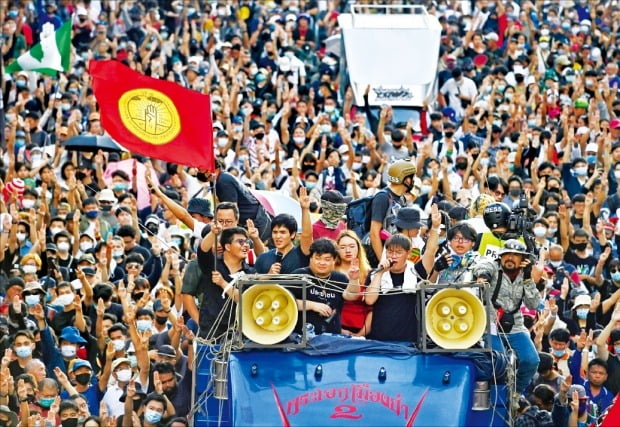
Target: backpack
(358, 215)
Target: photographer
(513, 281)
(503, 225)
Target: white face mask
(28, 203)
(68, 351)
(222, 142)
(540, 231)
(119, 345)
(123, 375)
(299, 139)
(64, 300)
(29, 269)
(21, 237)
(555, 263)
(425, 189)
(64, 246)
(84, 246)
(55, 230)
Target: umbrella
(92, 143)
(144, 197)
(277, 203)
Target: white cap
(591, 148)
(107, 195)
(492, 36)
(343, 149)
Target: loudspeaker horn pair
(455, 319)
(268, 313)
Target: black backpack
(358, 215)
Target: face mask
(441, 240)
(581, 171)
(591, 159)
(82, 379)
(23, 351)
(326, 128)
(46, 402)
(484, 162)
(106, 208)
(119, 345)
(151, 416)
(540, 231)
(68, 351)
(508, 96)
(123, 375)
(449, 134)
(20, 83)
(120, 186)
(161, 320)
(144, 325)
(357, 166)
(63, 246)
(615, 276)
(544, 32)
(222, 142)
(514, 192)
(92, 214)
(559, 353)
(29, 269)
(65, 299)
(237, 129)
(299, 139)
(425, 188)
(20, 142)
(84, 246)
(310, 185)
(329, 109)
(501, 88)
(21, 237)
(32, 300)
(70, 422)
(133, 360)
(259, 135)
(555, 264)
(28, 203)
(579, 246)
(116, 253)
(582, 313)
(289, 54)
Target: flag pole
(213, 183)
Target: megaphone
(268, 313)
(455, 319)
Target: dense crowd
(113, 263)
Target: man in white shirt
(460, 91)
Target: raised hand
(157, 385)
(252, 230)
(354, 269)
(304, 199)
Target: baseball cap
(79, 363)
(166, 350)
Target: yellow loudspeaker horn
(455, 319)
(268, 313)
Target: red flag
(154, 118)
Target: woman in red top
(356, 316)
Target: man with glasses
(392, 293)
(218, 274)
(456, 265)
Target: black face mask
(137, 403)
(461, 165)
(106, 208)
(82, 379)
(554, 190)
(514, 192)
(259, 135)
(448, 134)
(70, 422)
(578, 246)
(153, 229)
(551, 208)
(138, 296)
(161, 320)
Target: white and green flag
(50, 55)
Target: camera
(519, 222)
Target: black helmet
(496, 215)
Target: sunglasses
(242, 242)
(133, 265)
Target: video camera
(519, 221)
(520, 224)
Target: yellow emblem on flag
(150, 115)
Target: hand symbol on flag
(150, 119)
